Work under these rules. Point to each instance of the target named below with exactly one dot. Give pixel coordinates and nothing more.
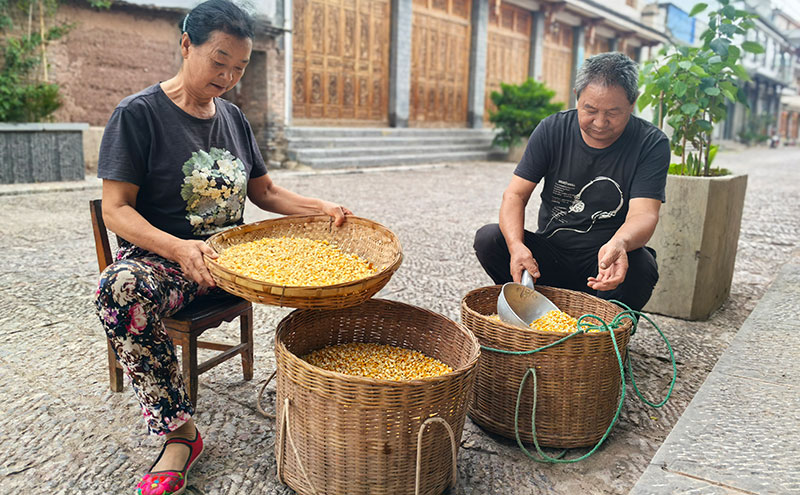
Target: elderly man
(604, 173)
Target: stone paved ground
(63, 431)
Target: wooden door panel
(557, 61)
(341, 60)
(440, 62)
(600, 45)
(508, 49)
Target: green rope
(617, 322)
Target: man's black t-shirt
(586, 190)
(192, 173)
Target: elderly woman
(176, 162)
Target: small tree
(690, 86)
(520, 108)
(27, 95)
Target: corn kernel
(295, 262)
(378, 361)
(554, 321)
(559, 321)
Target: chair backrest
(101, 244)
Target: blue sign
(680, 25)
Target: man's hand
(338, 212)
(613, 265)
(522, 259)
(189, 254)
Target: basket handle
(261, 394)
(453, 447)
(283, 425)
(284, 420)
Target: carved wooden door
(600, 45)
(440, 43)
(340, 61)
(557, 61)
(508, 50)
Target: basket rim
(363, 380)
(392, 267)
(536, 331)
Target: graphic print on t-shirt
(598, 199)
(214, 190)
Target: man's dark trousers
(567, 269)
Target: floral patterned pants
(134, 293)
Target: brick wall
(260, 95)
(110, 54)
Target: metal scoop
(520, 304)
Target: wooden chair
(185, 326)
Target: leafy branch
(689, 87)
(26, 94)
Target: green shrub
(755, 131)
(520, 108)
(22, 97)
(25, 95)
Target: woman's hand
(338, 212)
(189, 254)
(270, 197)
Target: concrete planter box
(696, 240)
(41, 153)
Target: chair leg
(114, 370)
(189, 353)
(246, 323)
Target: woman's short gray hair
(609, 69)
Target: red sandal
(171, 482)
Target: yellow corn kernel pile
(295, 262)
(558, 321)
(382, 362)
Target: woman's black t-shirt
(192, 173)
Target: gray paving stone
(657, 481)
(53, 369)
(739, 433)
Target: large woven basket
(355, 435)
(578, 380)
(370, 240)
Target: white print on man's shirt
(568, 204)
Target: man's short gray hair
(609, 69)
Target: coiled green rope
(629, 314)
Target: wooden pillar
(400, 63)
(578, 51)
(535, 62)
(477, 63)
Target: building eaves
(591, 8)
(768, 24)
(264, 24)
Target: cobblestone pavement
(63, 431)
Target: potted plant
(33, 150)
(698, 229)
(520, 108)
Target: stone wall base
(41, 153)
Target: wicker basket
(355, 435)
(578, 380)
(360, 236)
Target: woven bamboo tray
(356, 435)
(578, 380)
(370, 240)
